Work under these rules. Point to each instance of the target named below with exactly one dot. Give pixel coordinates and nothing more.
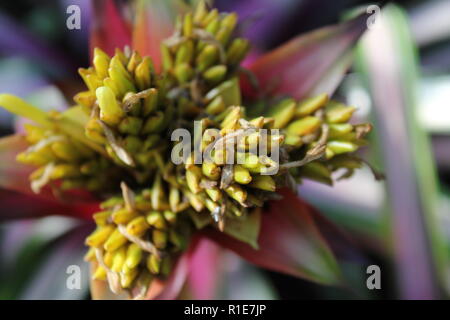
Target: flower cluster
(137, 238)
(131, 111)
(200, 57)
(127, 107)
(61, 158)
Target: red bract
(308, 64)
(108, 31)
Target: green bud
(207, 57)
(215, 74)
(283, 112)
(101, 218)
(184, 72)
(150, 102)
(115, 241)
(65, 171)
(118, 260)
(293, 140)
(339, 147)
(304, 126)
(310, 105)
(214, 193)
(123, 216)
(211, 170)
(85, 99)
(156, 220)
(185, 53)
(110, 111)
(237, 50)
(99, 236)
(137, 226)
(216, 106)
(242, 175)
(130, 125)
(170, 216)
(188, 25)
(159, 238)
(213, 26)
(339, 129)
(237, 193)
(151, 141)
(143, 73)
(212, 15)
(200, 12)
(264, 183)
(134, 255)
(121, 80)
(153, 264)
(154, 124)
(101, 63)
(132, 144)
(126, 279)
(134, 61)
(167, 58)
(193, 177)
(65, 151)
(338, 113)
(133, 109)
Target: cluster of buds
(319, 129)
(238, 167)
(127, 106)
(246, 161)
(122, 134)
(243, 161)
(135, 240)
(61, 158)
(201, 58)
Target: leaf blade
(387, 58)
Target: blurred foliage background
(400, 81)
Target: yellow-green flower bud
(110, 111)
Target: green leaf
(246, 229)
(200, 219)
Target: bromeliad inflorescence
(121, 149)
